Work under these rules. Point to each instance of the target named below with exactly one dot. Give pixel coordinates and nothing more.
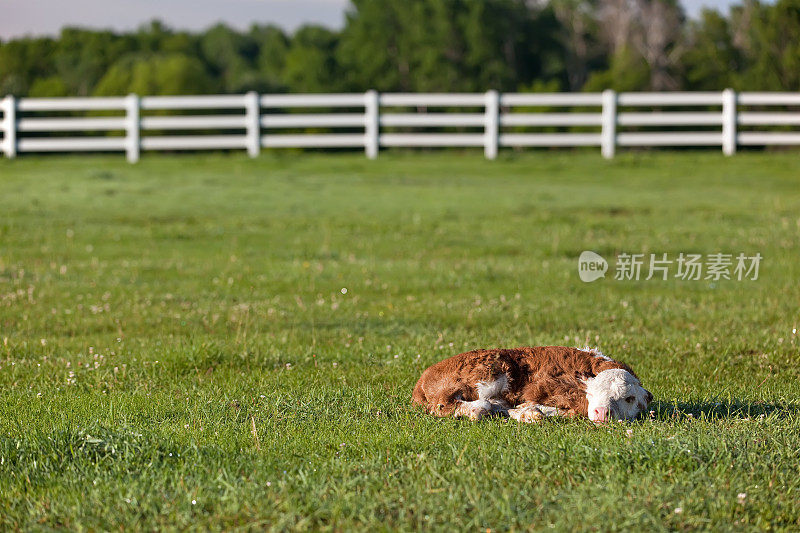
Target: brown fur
(546, 375)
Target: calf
(530, 383)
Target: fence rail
(370, 121)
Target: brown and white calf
(530, 383)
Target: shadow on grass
(674, 411)
(723, 410)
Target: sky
(46, 17)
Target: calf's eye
(630, 399)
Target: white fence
(370, 121)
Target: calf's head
(615, 394)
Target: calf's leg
(480, 408)
(532, 412)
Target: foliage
(431, 45)
(713, 59)
(773, 46)
(158, 74)
(310, 61)
(218, 343)
(22, 61)
(445, 45)
(50, 86)
(628, 71)
(230, 57)
(270, 63)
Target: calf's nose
(600, 414)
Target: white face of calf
(615, 394)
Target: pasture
(224, 343)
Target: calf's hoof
(526, 414)
(473, 410)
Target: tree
(430, 45)
(159, 74)
(311, 64)
(230, 57)
(50, 86)
(773, 56)
(628, 71)
(81, 57)
(273, 45)
(508, 44)
(447, 45)
(712, 62)
(660, 27)
(373, 52)
(22, 61)
(636, 32)
(578, 36)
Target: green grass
(177, 348)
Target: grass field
(223, 343)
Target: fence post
(132, 125)
(9, 126)
(491, 124)
(371, 124)
(608, 134)
(252, 109)
(729, 122)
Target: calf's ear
(649, 396)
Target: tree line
(430, 45)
